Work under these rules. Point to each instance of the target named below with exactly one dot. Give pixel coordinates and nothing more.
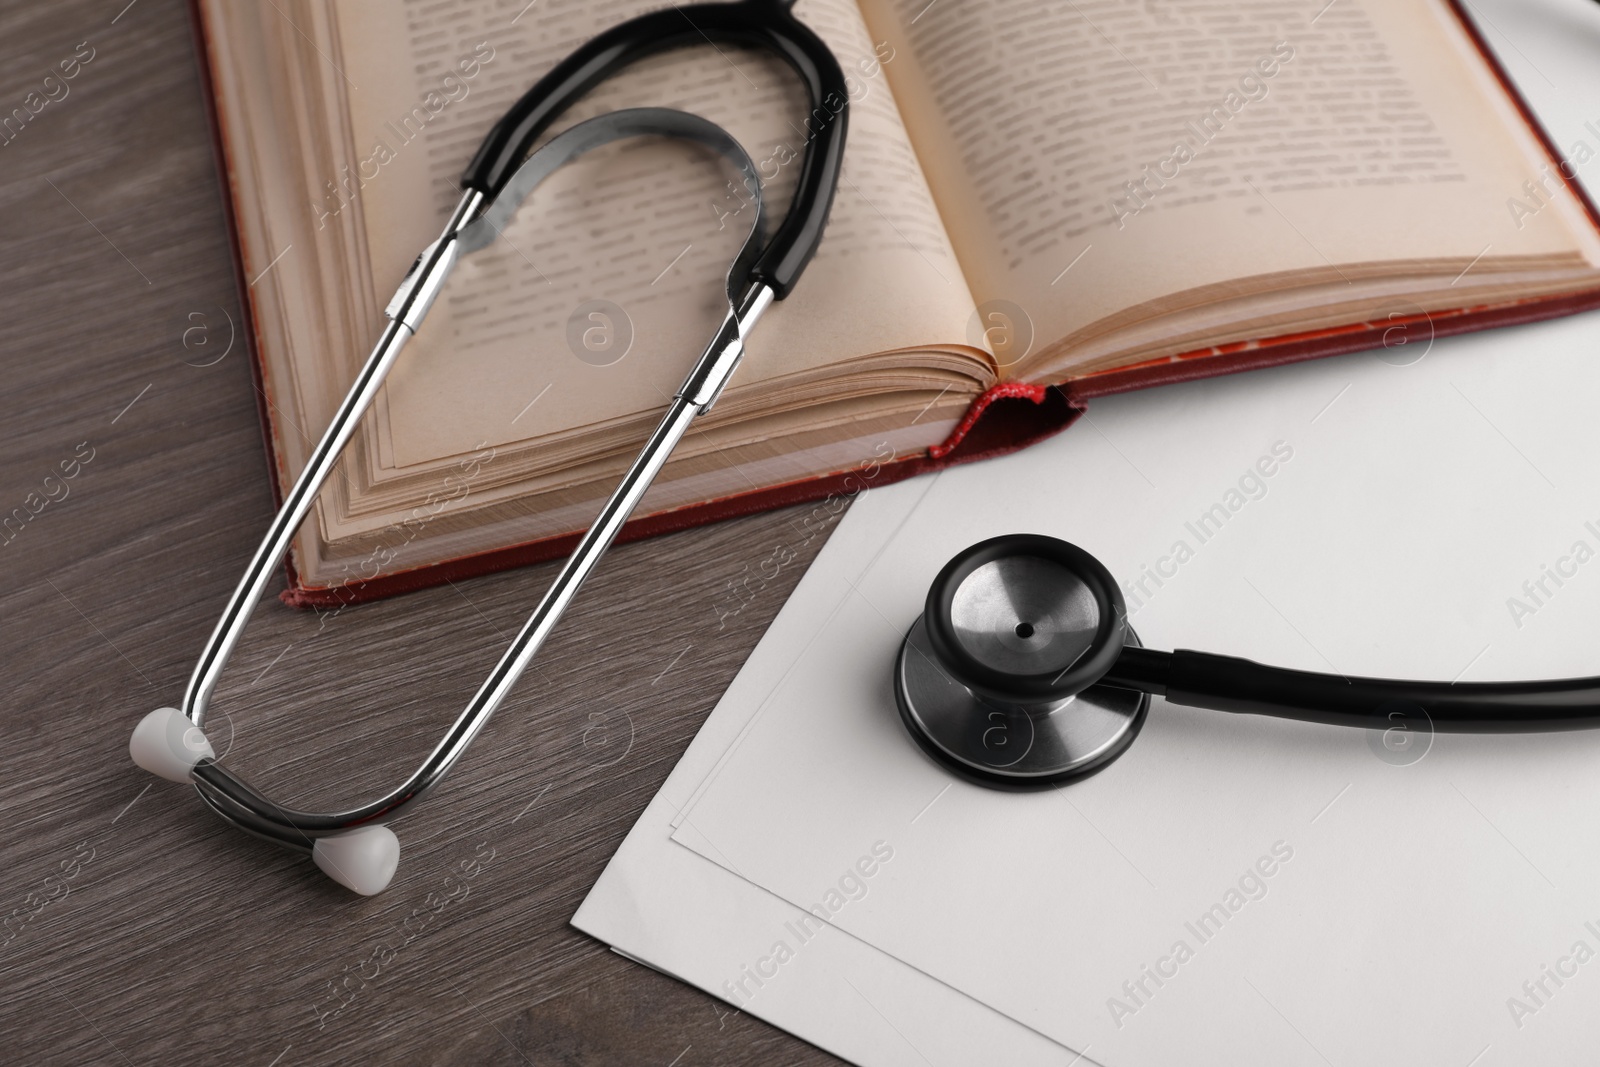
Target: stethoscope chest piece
(997, 679)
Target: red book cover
(1008, 417)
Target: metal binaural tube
(236, 800)
(424, 280)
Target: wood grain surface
(141, 930)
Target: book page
(645, 229)
(1108, 156)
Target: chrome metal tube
(422, 282)
(236, 800)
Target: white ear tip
(167, 744)
(362, 860)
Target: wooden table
(143, 930)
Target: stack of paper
(667, 907)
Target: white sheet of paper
(1407, 506)
(665, 906)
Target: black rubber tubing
(765, 24)
(1228, 683)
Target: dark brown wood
(141, 929)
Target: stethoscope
(1022, 672)
(355, 847)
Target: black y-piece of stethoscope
(1022, 672)
(354, 847)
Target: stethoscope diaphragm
(998, 679)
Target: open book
(1039, 204)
